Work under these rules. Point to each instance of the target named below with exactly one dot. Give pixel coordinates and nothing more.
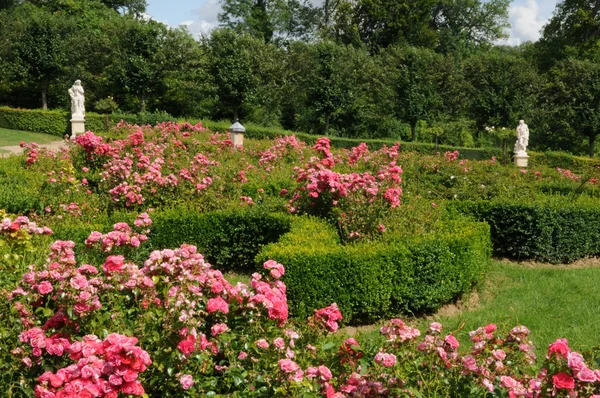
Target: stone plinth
(521, 159)
(77, 126)
(238, 139)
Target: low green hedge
(551, 229)
(374, 280)
(53, 122)
(229, 239)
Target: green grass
(14, 137)
(551, 301)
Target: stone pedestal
(77, 126)
(521, 159)
(238, 139)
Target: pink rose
(586, 375)
(44, 287)
(113, 264)
(187, 381)
(262, 343)
(451, 340)
(499, 355)
(217, 304)
(242, 355)
(560, 348)
(384, 359)
(218, 329)
(288, 366)
(279, 343)
(563, 380)
(436, 327)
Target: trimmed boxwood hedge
(229, 239)
(550, 229)
(53, 122)
(374, 280)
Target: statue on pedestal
(77, 100)
(522, 138)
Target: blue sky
(526, 16)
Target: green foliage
(229, 239)
(374, 280)
(551, 229)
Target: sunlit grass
(14, 137)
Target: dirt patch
(468, 302)
(353, 331)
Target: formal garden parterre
(114, 252)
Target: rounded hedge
(374, 280)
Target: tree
(132, 6)
(464, 25)
(38, 45)
(414, 74)
(270, 20)
(574, 30)
(572, 99)
(138, 63)
(502, 87)
(382, 23)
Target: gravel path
(17, 150)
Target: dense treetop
(422, 70)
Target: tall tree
(138, 64)
(415, 75)
(464, 25)
(502, 87)
(38, 45)
(382, 23)
(574, 30)
(572, 99)
(270, 20)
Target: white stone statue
(77, 100)
(522, 138)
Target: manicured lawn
(552, 301)
(14, 137)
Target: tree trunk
(327, 117)
(235, 115)
(143, 103)
(326, 9)
(413, 131)
(107, 122)
(592, 137)
(44, 99)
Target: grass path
(552, 301)
(14, 137)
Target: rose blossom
(563, 380)
(186, 381)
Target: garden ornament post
(237, 134)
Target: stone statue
(522, 138)
(77, 99)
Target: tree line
(428, 70)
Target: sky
(527, 17)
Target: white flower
(452, 177)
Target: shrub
(53, 122)
(550, 229)
(230, 239)
(377, 279)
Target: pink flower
(384, 359)
(277, 270)
(436, 327)
(499, 355)
(44, 287)
(325, 373)
(279, 343)
(451, 340)
(560, 348)
(586, 375)
(288, 366)
(113, 264)
(217, 304)
(262, 343)
(187, 381)
(218, 329)
(508, 382)
(242, 355)
(563, 380)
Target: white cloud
(185, 23)
(206, 20)
(527, 21)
